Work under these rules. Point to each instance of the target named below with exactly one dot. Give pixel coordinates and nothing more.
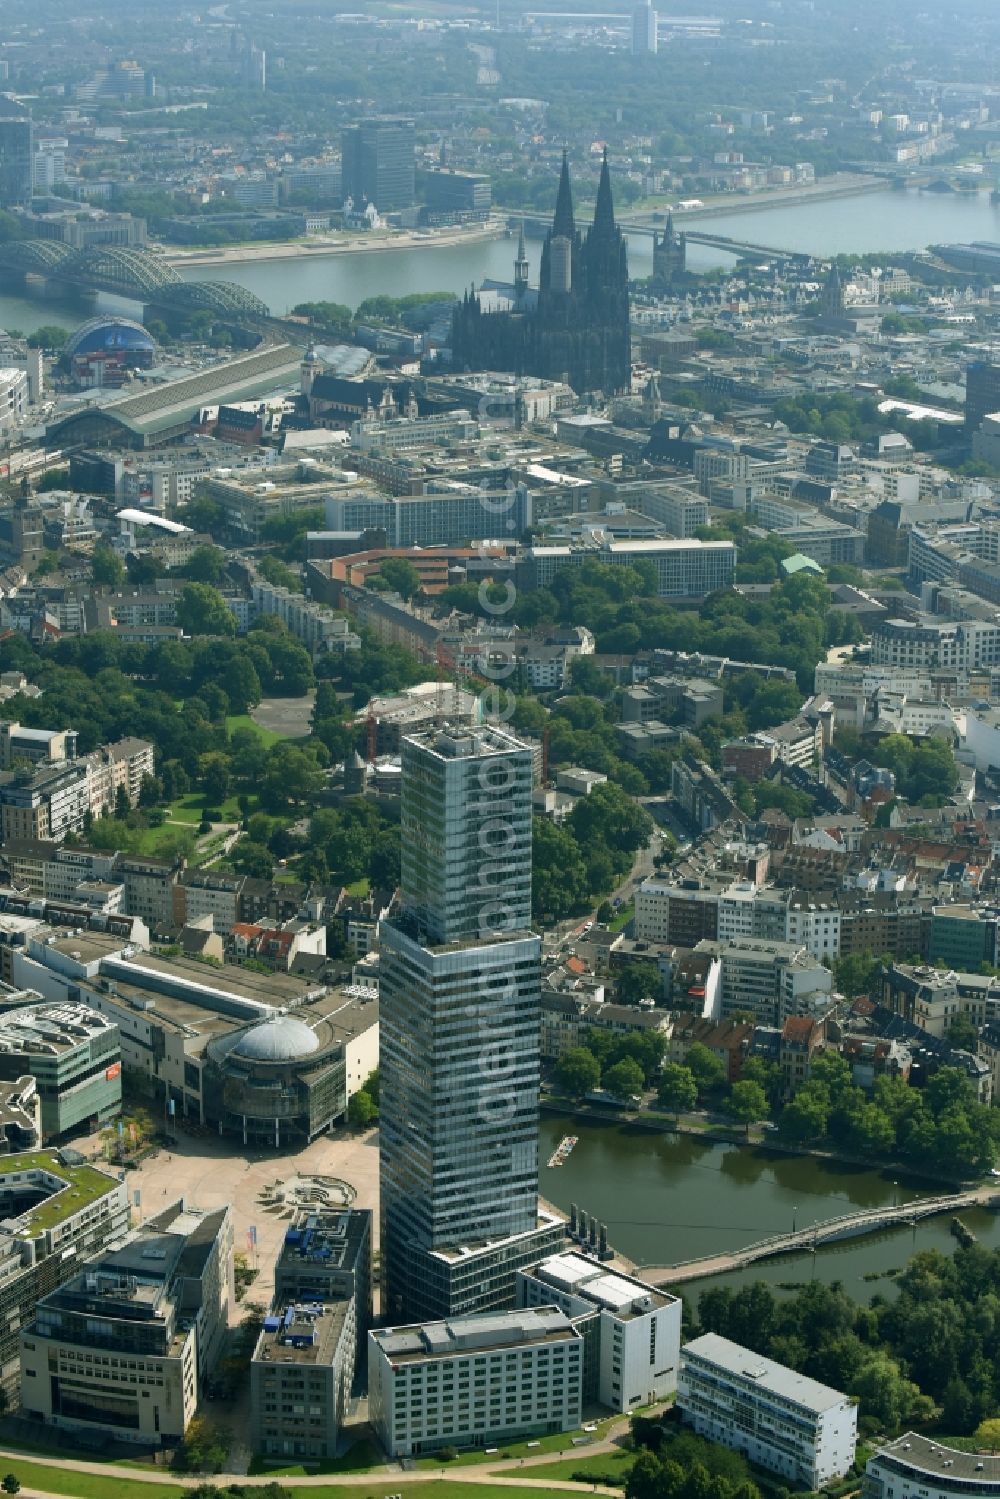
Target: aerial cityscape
(500, 750)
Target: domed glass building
(103, 349)
(282, 1080)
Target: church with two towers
(575, 327)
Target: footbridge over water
(848, 1226)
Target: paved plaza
(208, 1172)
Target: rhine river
(872, 222)
(668, 1198)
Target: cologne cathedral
(575, 327)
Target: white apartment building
(797, 742)
(652, 910)
(914, 1467)
(684, 569)
(633, 1359)
(981, 738)
(682, 511)
(163, 484)
(856, 690)
(318, 628)
(782, 1420)
(898, 714)
(745, 910)
(474, 1381)
(720, 463)
(936, 553)
(13, 397)
(654, 898)
(961, 645)
(770, 980)
(814, 925)
(210, 893)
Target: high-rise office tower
(17, 161)
(378, 163)
(255, 68)
(643, 30)
(982, 392)
(459, 1019)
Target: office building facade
(73, 1054)
(632, 1331)
(982, 392)
(786, 1422)
(55, 1216)
(379, 164)
(644, 27)
(327, 1256)
(17, 162)
(300, 1378)
(124, 1349)
(474, 1381)
(459, 1041)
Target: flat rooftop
(592, 1281)
(271, 989)
(478, 1334)
(545, 1219)
(48, 1030)
(925, 1456)
(326, 1240)
(764, 1373)
(302, 1333)
(81, 1186)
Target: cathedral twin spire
(563, 224)
(576, 328)
(604, 211)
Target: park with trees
(928, 1356)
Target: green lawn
(267, 737)
(598, 1468)
(622, 917)
(358, 887)
(151, 840)
(362, 1456)
(186, 809)
(76, 1485)
(186, 812)
(56, 1480)
(560, 1441)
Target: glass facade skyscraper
(459, 1033)
(17, 159)
(466, 834)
